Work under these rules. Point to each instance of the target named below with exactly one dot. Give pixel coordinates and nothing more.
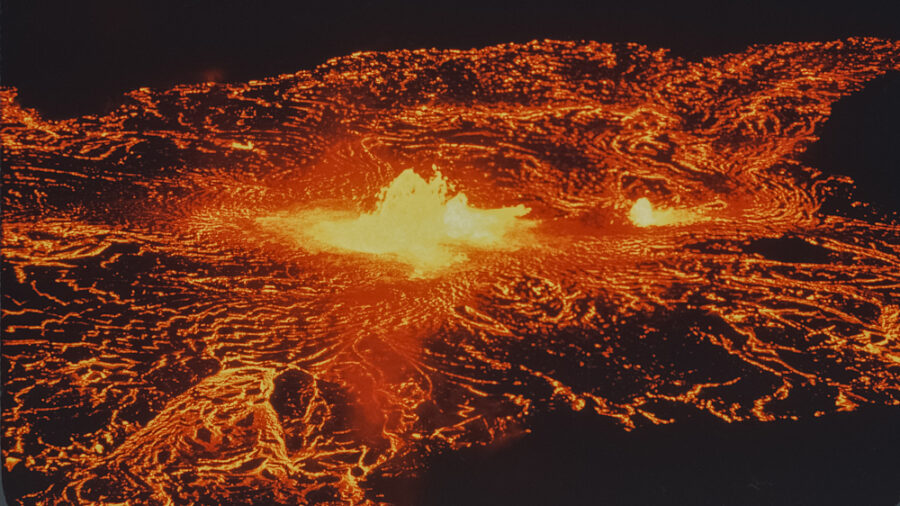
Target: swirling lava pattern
(163, 345)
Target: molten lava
(643, 214)
(204, 302)
(416, 222)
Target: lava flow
(293, 290)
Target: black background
(69, 58)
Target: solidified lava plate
(278, 291)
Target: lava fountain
(643, 214)
(264, 293)
(415, 222)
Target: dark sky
(73, 57)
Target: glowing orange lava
(258, 294)
(643, 214)
(415, 221)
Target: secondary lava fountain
(258, 293)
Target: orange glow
(240, 145)
(234, 293)
(416, 222)
(643, 214)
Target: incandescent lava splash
(260, 293)
(414, 222)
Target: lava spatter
(206, 299)
(415, 221)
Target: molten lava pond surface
(305, 288)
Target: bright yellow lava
(416, 222)
(643, 214)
